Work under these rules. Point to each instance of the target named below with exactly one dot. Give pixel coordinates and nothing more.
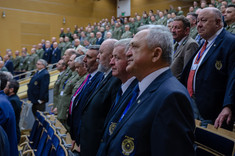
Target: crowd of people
(137, 86)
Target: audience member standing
(38, 87)
(8, 64)
(207, 73)
(97, 106)
(184, 46)
(7, 117)
(229, 18)
(159, 115)
(56, 53)
(11, 90)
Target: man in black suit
(55, 56)
(11, 90)
(97, 106)
(38, 87)
(48, 52)
(118, 63)
(9, 64)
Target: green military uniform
(126, 34)
(231, 28)
(33, 58)
(69, 35)
(193, 32)
(24, 63)
(65, 97)
(180, 13)
(17, 63)
(56, 92)
(61, 45)
(117, 33)
(132, 27)
(137, 25)
(162, 21)
(67, 74)
(78, 83)
(154, 23)
(40, 53)
(62, 34)
(144, 21)
(66, 46)
(92, 41)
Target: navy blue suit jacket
(212, 91)
(94, 114)
(8, 122)
(38, 87)
(55, 55)
(115, 112)
(10, 67)
(99, 41)
(4, 143)
(47, 55)
(16, 104)
(83, 96)
(160, 122)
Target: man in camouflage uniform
(192, 17)
(66, 46)
(33, 58)
(17, 61)
(127, 33)
(229, 18)
(66, 92)
(40, 51)
(61, 43)
(24, 61)
(61, 67)
(117, 32)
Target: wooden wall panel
(28, 21)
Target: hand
(225, 114)
(73, 144)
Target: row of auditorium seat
(47, 137)
(214, 142)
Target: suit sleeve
(44, 87)
(190, 50)
(173, 126)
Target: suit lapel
(142, 99)
(181, 47)
(100, 86)
(214, 46)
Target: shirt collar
(127, 84)
(149, 79)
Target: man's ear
(157, 53)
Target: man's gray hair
(79, 59)
(124, 43)
(43, 62)
(160, 36)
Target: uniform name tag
(61, 93)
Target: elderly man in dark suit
(97, 106)
(207, 74)
(11, 90)
(118, 63)
(159, 114)
(38, 87)
(184, 47)
(8, 64)
(55, 55)
(7, 117)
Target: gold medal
(218, 65)
(36, 83)
(112, 127)
(128, 145)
